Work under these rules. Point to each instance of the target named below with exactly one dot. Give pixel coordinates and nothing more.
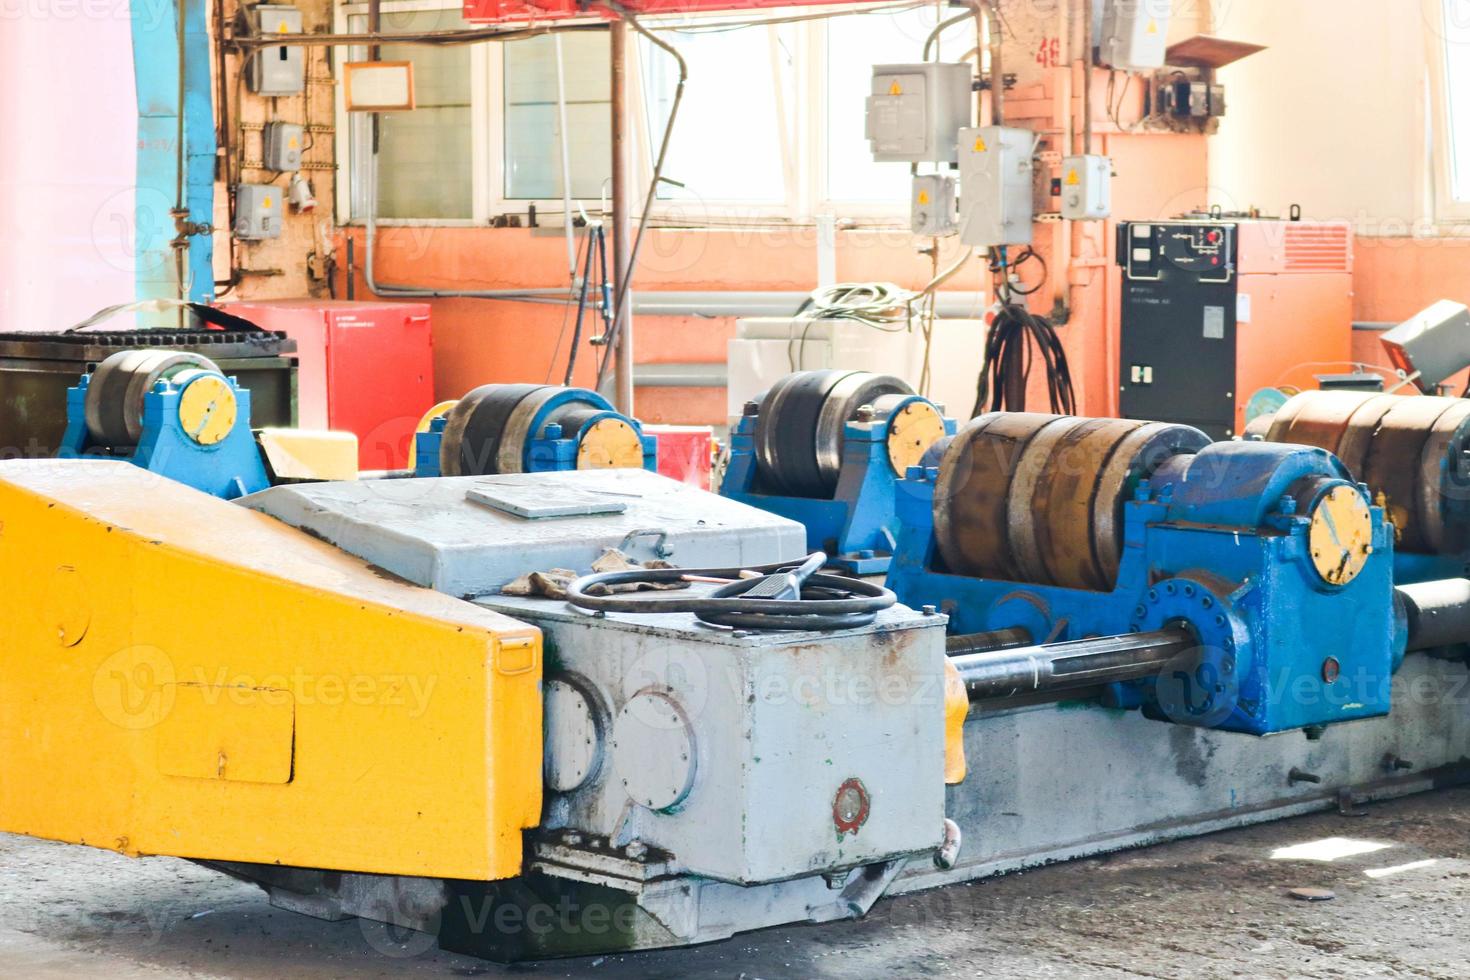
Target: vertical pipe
(997, 69)
(622, 219)
(1087, 13)
(566, 161)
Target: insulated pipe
(1058, 668)
(1438, 613)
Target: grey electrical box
(1133, 34)
(257, 212)
(1434, 343)
(914, 111)
(1087, 187)
(283, 143)
(932, 206)
(996, 185)
(279, 69)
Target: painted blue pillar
(156, 73)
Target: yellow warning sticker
(1071, 178)
(1153, 27)
(923, 197)
(895, 89)
(980, 146)
(294, 142)
(281, 28)
(266, 203)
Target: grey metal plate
(427, 532)
(536, 502)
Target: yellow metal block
(187, 677)
(308, 454)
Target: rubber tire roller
(490, 429)
(116, 391)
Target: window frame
(804, 141)
(1447, 209)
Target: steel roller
(1039, 498)
(116, 391)
(1409, 450)
(799, 432)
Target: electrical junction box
(278, 70)
(283, 144)
(932, 206)
(996, 179)
(1087, 187)
(257, 211)
(1134, 33)
(915, 111)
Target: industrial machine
(36, 369)
(828, 449)
(1411, 453)
(1217, 306)
(528, 428)
(172, 413)
(400, 736)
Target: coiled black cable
(827, 602)
(1007, 367)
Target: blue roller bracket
(1217, 541)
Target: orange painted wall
(478, 341)
(1394, 278)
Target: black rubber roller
(475, 428)
(800, 428)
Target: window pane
(1457, 71)
(425, 156)
(727, 139)
(854, 45)
(532, 127)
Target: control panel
(1205, 249)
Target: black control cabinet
(1177, 354)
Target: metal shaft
(1057, 668)
(1437, 613)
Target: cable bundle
(1008, 349)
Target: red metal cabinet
(364, 367)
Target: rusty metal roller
(1039, 498)
(1409, 449)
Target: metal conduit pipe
(1059, 668)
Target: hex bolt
(752, 409)
(864, 413)
(835, 879)
(1299, 776)
(1314, 733)
(637, 850)
(571, 838)
(1287, 505)
(1393, 763)
(929, 610)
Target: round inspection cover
(911, 433)
(207, 408)
(573, 733)
(610, 443)
(653, 750)
(1340, 534)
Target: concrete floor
(1214, 907)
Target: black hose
(827, 602)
